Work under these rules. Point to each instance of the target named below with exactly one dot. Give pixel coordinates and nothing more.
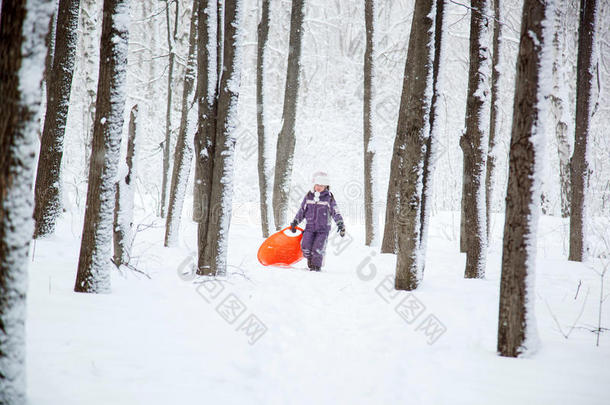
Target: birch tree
(183, 155)
(23, 26)
(263, 155)
(474, 141)
(412, 133)
(581, 165)
(59, 85)
(286, 139)
(94, 260)
(516, 324)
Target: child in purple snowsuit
(317, 208)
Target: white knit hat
(321, 178)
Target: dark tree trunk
(123, 209)
(23, 26)
(368, 154)
(171, 40)
(222, 185)
(516, 325)
(59, 85)
(413, 131)
(475, 140)
(96, 243)
(580, 163)
(287, 138)
(263, 157)
(205, 139)
(183, 155)
(495, 110)
(431, 146)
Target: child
(317, 208)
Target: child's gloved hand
(293, 226)
(341, 229)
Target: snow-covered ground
(340, 336)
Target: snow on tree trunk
(368, 153)
(475, 140)
(517, 325)
(94, 261)
(581, 159)
(89, 66)
(413, 131)
(494, 122)
(23, 26)
(205, 139)
(59, 84)
(125, 190)
(184, 144)
(431, 146)
(263, 154)
(561, 108)
(286, 139)
(222, 186)
(171, 40)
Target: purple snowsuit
(318, 214)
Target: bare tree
(205, 138)
(580, 166)
(59, 84)
(94, 261)
(183, 155)
(494, 122)
(413, 131)
(123, 209)
(368, 154)
(222, 186)
(516, 324)
(475, 140)
(263, 156)
(23, 26)
(171, 42)
(286, 138)
(431, 146)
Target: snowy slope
(330, 337)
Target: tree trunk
(516, 324)
(413, 132)
(59, 85)
(23, 26)
(183, 155)
(171, 40)
(123, 209)
(287, 138)
(474, 142)
(89, 46)
(94, 260)
(205, 139)
(581, 170)
(495, 110)
(263, 155)
(561, 111)
(222, 185)
(430, 158)
(368, 153)
(389, 243)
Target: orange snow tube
(283, 248)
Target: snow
(330, 337)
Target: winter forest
(306, 201)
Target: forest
(297, 201)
